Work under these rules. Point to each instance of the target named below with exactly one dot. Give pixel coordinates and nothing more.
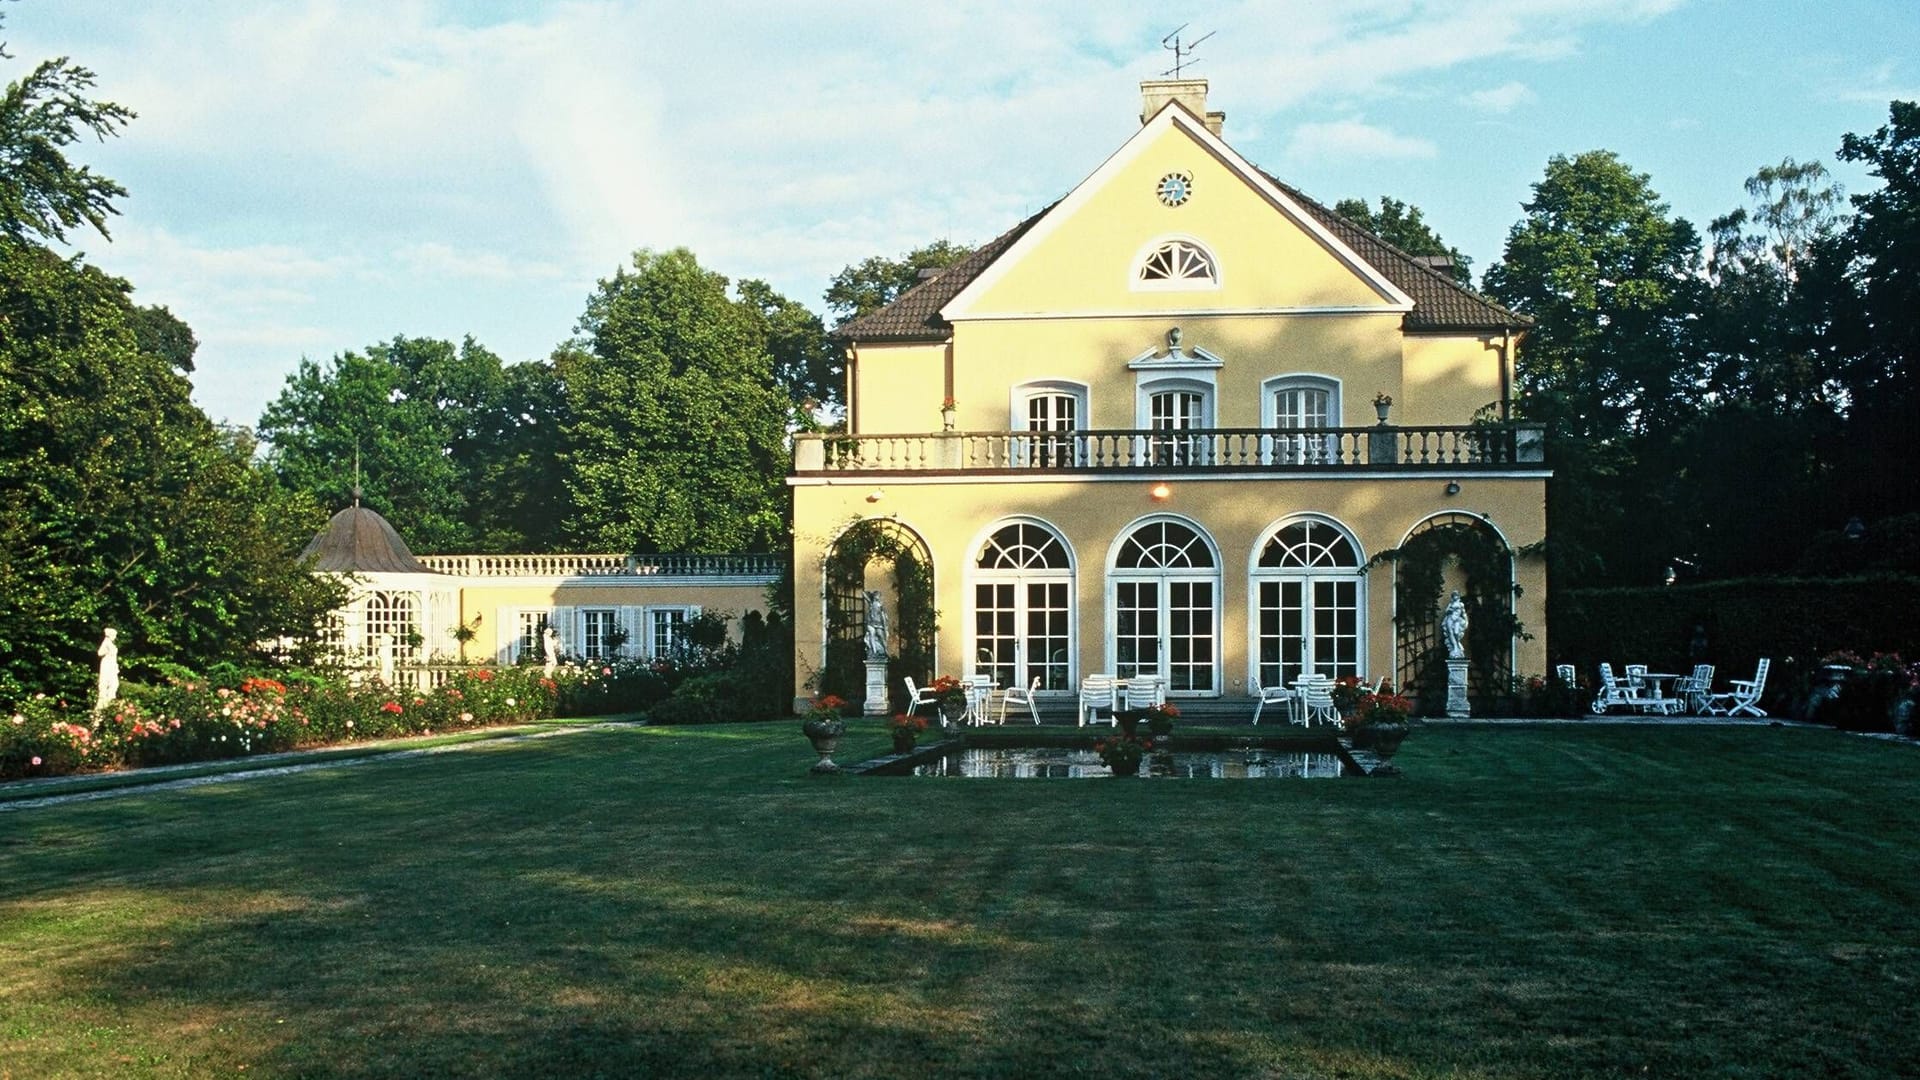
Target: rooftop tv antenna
(1182, 54)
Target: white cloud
(1503, 98)
(1353, 139)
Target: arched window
(1309, 603)
(1050, 409)
(1177, 264)
(392, 621)
(1164, 591)
(1023, 607)
(1297, 403)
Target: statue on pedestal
(550, 650)
(108, 687)
(1453, 628)
(876, 627)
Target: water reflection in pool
(1059, 762)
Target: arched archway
(911, 561)
(1485, 563)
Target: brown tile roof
(1438, 303)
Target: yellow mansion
(1163, 426)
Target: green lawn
(660, 902)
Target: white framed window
(393, 621)
(1049, 411)
(1023, 609)
(1175, 263)
(1309, 602)
(1296, 404)
(599, 630)
(666, 628)
(1163, 602)
(1175, 404)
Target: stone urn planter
(825, 737)
(1381, 737)
(903, 742)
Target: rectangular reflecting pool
(1063, 762)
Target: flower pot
(903, 742)
(1383, 737)
(951, 710)
(825, 738)
(1129, 721)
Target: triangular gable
(965, 303)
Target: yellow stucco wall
(898, 387)
(1086, 258)
(954, 518)
(1447, 379)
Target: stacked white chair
(1096, 693)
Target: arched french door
(1164, 596)
(1309, 603)
(1023, 607)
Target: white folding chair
(917, 697)
(979, 696)
(1096, 693)
(1269, 695)
(1566, 674)
(1694, 688)
(1744, 697)
(1018, 696)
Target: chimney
(1191, 93)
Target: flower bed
(194, 721)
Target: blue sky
(311, 177)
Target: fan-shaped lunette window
(1180, 262)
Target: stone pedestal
(876, 704)
(1457, 689)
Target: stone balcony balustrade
(602, 565)
(1447, 448)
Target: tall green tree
(805, 360)
(676, 432)
(1405, 227)
(1612, 282)
(446, 441)
(120, 503)
(1883, 384)
(876, 282)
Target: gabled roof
(358, 540)
(914, 315)
(1439, 304)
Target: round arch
(1163, 604)
(844, 609)
(1486, 561)
(1022, 618)
(1306, 601)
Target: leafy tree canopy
(805, 360)
(454, 447)
(676, 436)
(1405, 227)
(42, 193)
(874, 283)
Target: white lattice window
(1309, 595)
(1023, 608)
(598, 628)
(1164, 593)
(1178, 264)
(667, 628)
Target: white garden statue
(1453, 628)
(876, 627)
(109, 685)
(550, 650)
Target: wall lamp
(1161, 491)
(876, 495)
(1453, 487)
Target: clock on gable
(1174, 188)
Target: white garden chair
(1611, 691)
(1566, 674)
(1269, 695)
(1316, 702)
(1695, 688)
(1144, 692)
(1744, 697)
(1018, 696)
(1096, 693)
(917, 697)
(979, 690)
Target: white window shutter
(565, 623)
(507, 636)
(633, 624)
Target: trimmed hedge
(1794, 621)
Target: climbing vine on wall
(914, 621)
(1486, 563)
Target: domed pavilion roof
(358, 540)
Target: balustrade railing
(601, 565)
(1199, 449)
